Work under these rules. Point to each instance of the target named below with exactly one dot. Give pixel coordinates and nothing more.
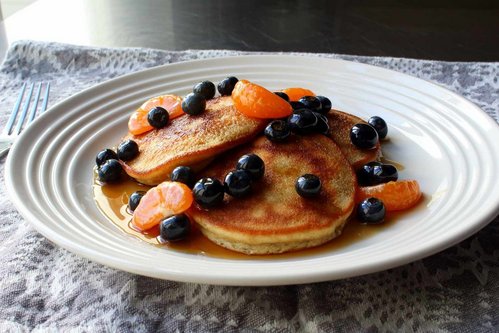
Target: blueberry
(311, 103)
(388, 173)
(253, 164)
(237, 183)
(226, 86)
(302, 121)
(128, 150)
(194, 104)
(322, 125)
(110, 171)
(364, 136)
(208, 192)
(371, 211)
(134, 199)
(284, 96)
(206, 89)
(277, 130)
(325, 104)
(174, 228)
(297, 105)
(374, 173)
(379, 125)
(104, 155)
(365, 173)
(183, 174)
(308, 185)
(158, 117)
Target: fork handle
(5, 146)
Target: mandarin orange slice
(166, 199)
(295, 94)
(398, 195)
(257, 102)
(138, 124)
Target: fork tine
(46, 97)
(32, 113)
(15, 110)
(24, 112)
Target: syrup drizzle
(112, 200)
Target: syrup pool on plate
(112, 200)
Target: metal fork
(10, 133)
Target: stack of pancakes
(273, 218)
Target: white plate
(448, 144)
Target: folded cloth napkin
(44, 288)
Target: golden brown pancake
(191, 141)
(341, 124)
(274, 218)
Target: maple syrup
(112, 200)
(397, 165)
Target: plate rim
(305, 278)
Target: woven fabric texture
(44, 288)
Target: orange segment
(172, 103)
(166, 199)
(295, 94)
(399, 195)
(257, 102)
(138, 124)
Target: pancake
(274, 218)
(341, 123)
(191, 141)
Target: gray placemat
(44, 288)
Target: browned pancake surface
(274, 218)
(341, 124)
(191, 140)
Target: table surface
(455, 290)
(45, 288)
(454, 30)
